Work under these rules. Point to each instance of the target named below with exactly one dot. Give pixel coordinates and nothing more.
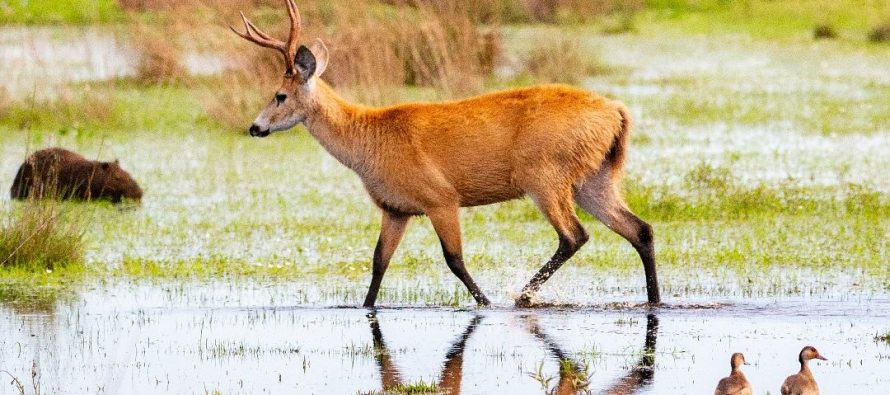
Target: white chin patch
(285, 126)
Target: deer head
(297, 94)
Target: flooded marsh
(232, 344)
(760, 163)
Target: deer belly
(391, 198)
(481, 188)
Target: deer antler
(257, 36)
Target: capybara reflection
(57, 173)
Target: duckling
(803, 382)
(736, 383)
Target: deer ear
(321, 56)
(305, 63)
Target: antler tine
(257, 36)
(249, 24)
(295, 27)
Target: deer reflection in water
(452, 369)
(574, 378)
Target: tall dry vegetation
(375, 50)
(560, 59)
(145, 5)
(564, 11)
(5, 102)
(534, 11)
(159, 57)
(377, 47)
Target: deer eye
(280, 98)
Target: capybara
(61, 174)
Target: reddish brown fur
(472, 152)
(62, 174)
(554, 143)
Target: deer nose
(255, 131)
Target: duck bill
(820, 357)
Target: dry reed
(560, 59)
(376, 50)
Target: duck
(736, 383)
(803, 382)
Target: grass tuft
(41, 236)
(824, 32)
(880, 33)
(419, 387)
(561, 59)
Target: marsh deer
(554, 143)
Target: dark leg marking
(567, 248)
(645, 246)
(392, 228)
(376, 275)
(455, 262)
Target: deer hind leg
(599, 197)
(560, 211)
(447, 225)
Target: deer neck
(339, 127)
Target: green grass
(50, 12)
(764, 19)
(719, 196)
(418, 387)
(815, 112)
(121, 106)
(27, 291)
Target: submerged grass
(713, 194)
(418, 387)
(760, 105)
(26, 291)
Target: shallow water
(37, 61)
(175, 341)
